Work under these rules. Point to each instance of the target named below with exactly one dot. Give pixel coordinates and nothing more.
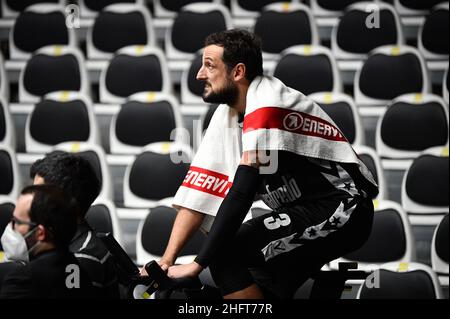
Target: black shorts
(276, 251)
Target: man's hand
(188, 270)
(164, 264)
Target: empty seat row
(280, 26)
(239, 8)
(61, 68)
(68, 116)
(388, 72)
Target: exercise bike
(327, 284)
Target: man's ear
(41, 233)
(239, 72)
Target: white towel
(276, 118)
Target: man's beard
(227, 95)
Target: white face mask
(15, 246)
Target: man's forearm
(186, 224)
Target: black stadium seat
(45, 74)
(169, 8)
(281, 27)
(315, 64)
(156, 232)
(55, 120)
(410, 126)
(140, 123)
(10, 181)
(129, 73)
(426, 181)
(99, 5)
(118, 26)
(99, 219)
(191, 88)
(191, 27)
(419, 4)
(154, 176)
(389, 72)
(6, 212)
(335, 5)
(35, 29)
(20, 5)
(418, 284)
(352, 39)
(50, 69)
(434, 34)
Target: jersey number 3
(281, 220)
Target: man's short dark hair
(72, 173)
(56, 211)
(239, 46)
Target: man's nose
(201, 74)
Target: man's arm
(231, 213)
(186, 224)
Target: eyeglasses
(15, 221)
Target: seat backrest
(192, 25)
(144, 119)
(6, 212)
(12, 8)
(402, 281)
(317, 66)
(60, 117)
(283, 25)
(372, 161)
(414, 7)
(10, 182)
(445, 87)
(358, 33)
(411, 124)
(7, 133)
(425, 184)
(38, 26)
(342, 110)
(91, 8)
(154, 232)
(134, 69)
(102, 217)
(391, 239)
(4, 82)
(97, 158)
(50, 69)
(155, 175)
(330, 8)
(191, 88)
(439, 248)
(432, 40)
(117, 26)
(251, 8)
(170, 8)
(388, 72)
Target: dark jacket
(96, 260)
(49, 275)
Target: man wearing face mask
(76, 177)
(40, 231)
